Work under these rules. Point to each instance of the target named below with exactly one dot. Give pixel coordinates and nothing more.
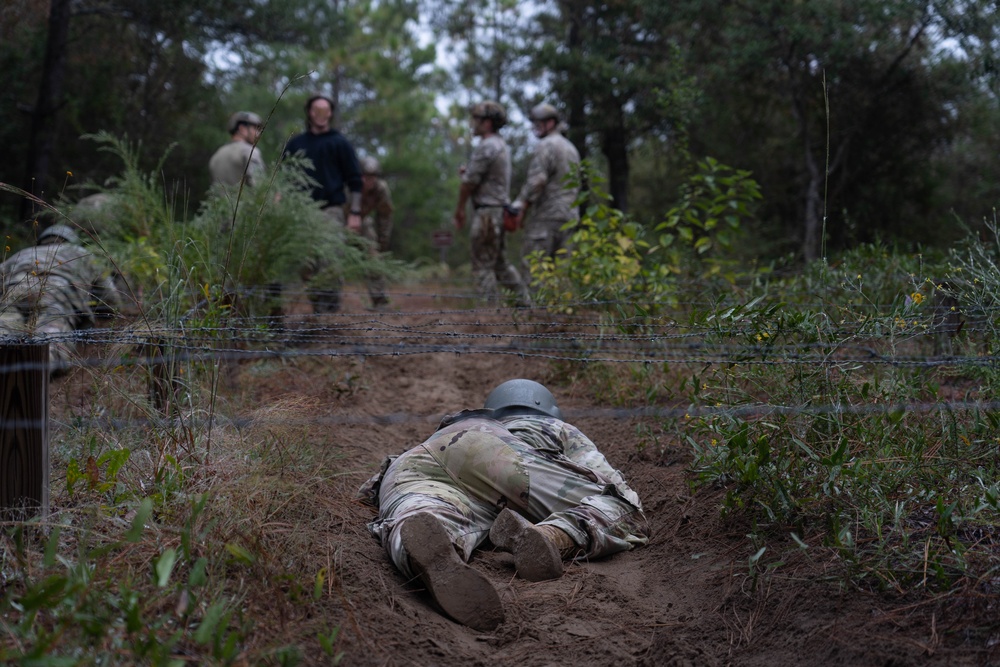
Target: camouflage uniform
(229, 163)
(474, 466)
(376, 226)
(48, 291)
(489, 170)
(324, 292)
(550, 199)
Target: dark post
(24, 430)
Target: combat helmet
(492, 110)
(370, 166)
(243, 117)
(60, 231)
(544, 111)
(523, 393)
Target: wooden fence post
(24, 430)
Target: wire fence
(865, 337)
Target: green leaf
(50, 548)
(164, 566)
(896, 416)
(206, 629)
(115, 458)
(240, 553)
(318, 586)
(139, 521)
(45, 594)
(198, 577)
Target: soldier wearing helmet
(376, 222)
(486, 183)
(515, 472)
(51, 289)
(545, 203)
(239, 160)
(333, 165)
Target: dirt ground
(685, 599)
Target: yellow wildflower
(917, 297)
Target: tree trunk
(813, 227)
(48, 102)
(576, 101)
(812, 219)
(614, 144)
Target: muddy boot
(537, 549)
(463, 594)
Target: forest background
(861, 120)
(831, 429)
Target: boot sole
(463, 594)
(535, 557)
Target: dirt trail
(686, 599)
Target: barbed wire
(676, 412)
(579, 338)
(877, 337)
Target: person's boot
(463, 594)
(538, 550)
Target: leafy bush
(616, 260)
(240, 241)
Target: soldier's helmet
(544, 111)
(58, 234)
(370, 166)
(243, 118)
(492, 110)
(523, 393)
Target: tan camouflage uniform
(235, 161)
(551, 201)
(489, 169)
(48, 291)
(376, 226)
(473, 467)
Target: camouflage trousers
(324, 294)
(466, 473)
(544, 236)
(374, 282)
(489, 258)
(40, 307)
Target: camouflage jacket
(377, 203)
(87, 288)
(228, 164)
(489, 170)
(545, 189)
(557, 440)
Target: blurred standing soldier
(52, 289)
(545, 192)
(335, 169)
(376, 221)
(486, 181)
(239, 161)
